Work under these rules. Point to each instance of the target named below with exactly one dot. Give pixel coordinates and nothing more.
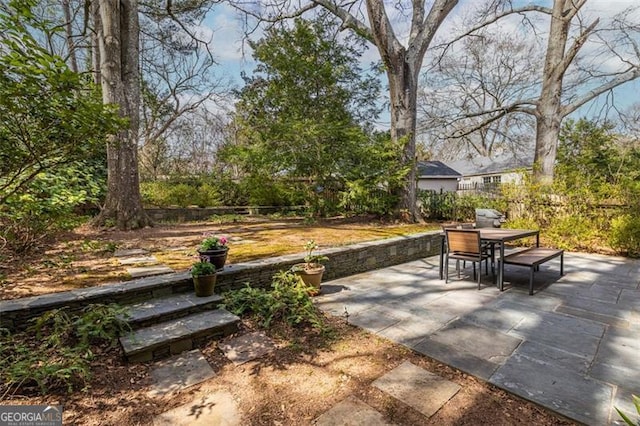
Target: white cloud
(226, 34)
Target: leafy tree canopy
(592, 155)
(51, 116)
(304, 113)
(300, 111)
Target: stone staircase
(173, 324)
(165, 315)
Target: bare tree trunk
(550, 104)
(403, 67)
(119, 54)
(403, 83)
(73, 61)
(96, 36)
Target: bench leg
(562, 264)
(531, 280)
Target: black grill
(489, 218)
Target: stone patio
(572, 347)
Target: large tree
(402, 51)
(570, 77)
(301, 114)
(118, 38)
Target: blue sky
(234, 57)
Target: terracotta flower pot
(204, 285)
(311, 275)
(216, 256)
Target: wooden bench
(533, 258)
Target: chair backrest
(463, 241)
(457, 226)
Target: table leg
(501, 268)
(441, 257)
(538, 245)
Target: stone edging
(343, 261)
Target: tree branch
(574, 49)
(497, 114)
(174, 18)
(428, 28)
(629, 75)
(531, 8)
(382, 34)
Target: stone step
(154, 311)
(178, 335)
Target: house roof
(485, 165)
(436, 169)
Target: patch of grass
(227, 218)
(88, 246)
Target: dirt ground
(304, 377)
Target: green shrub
(56, 350)
(207, 196)
(522, 223)
(625, 234)
(287, 300)
(202, 268)
(181, 194)
(574, 232)
(362, 197)
(459, 208)
(45, 207)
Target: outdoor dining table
(495, 236)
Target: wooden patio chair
(465, 225)
(465, 245)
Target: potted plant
(204, 278)
(312, 269)
(214, 249)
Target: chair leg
(474, 269)
(458, 267)
(446, 269)
(479, 275)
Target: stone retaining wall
(343, 261)
(189, 214)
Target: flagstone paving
(179, 372)
(130, 252)
(148, 265)
(572, 347)
(214, 409)
(146, 271)
(351, 412)
(417, 387)
(135, 260)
